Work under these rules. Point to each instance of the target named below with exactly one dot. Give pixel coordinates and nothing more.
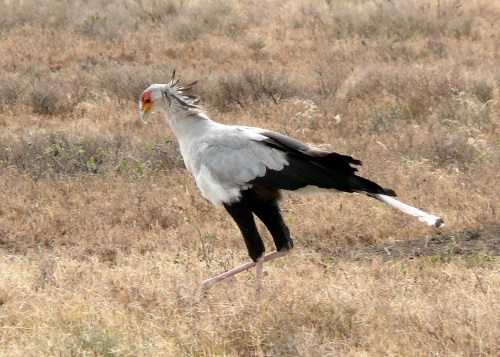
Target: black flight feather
(314, 167)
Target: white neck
(185, 123)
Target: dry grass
(104, 237)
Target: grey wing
(229, 159)
(239, 160)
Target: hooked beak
(145, 109)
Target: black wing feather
(311, 166)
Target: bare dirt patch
(485, 241)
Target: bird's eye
(147, 100)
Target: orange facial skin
(145, 104)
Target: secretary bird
(245, 168)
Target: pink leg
(259, 269)
(206, 285)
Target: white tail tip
(422, 216)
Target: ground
(465, 242)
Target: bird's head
(159, 98)
(151, 100)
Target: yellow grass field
(105, 239)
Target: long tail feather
(430, 219)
